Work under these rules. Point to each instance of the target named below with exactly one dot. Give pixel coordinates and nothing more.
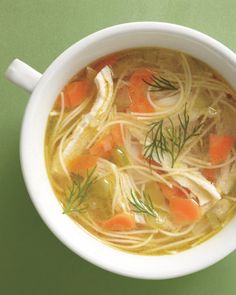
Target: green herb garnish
(145, 207)
(160, 84)
(78, 193)
(168, 139)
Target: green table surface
(32, 259)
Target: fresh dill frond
(145, 207)
(167, 139)
(160, 84)
(78, 193)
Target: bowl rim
(133, 26)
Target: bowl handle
(22, 75)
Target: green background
(32, 260)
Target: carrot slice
(138, 91)
(137, 86)
(103, 147)
(209, 174)
(107, 61)
(122, 221)
(75, 93)
(82, 163)
(171, 192)
(117, 135)
(220, 148)
(184, 210)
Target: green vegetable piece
(201, 104)
(233, 190)
(119, 157)
(221, 208)
(213, 220)
(153, 190)
(100, 198)
(102, 188)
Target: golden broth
(140, 150)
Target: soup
(140, 150)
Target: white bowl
(44, 90)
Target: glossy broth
(140, 150)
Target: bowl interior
(32, 147)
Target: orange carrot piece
(137, 86)
(184, 210)
(117, 135)
(122, 221)
(103, 147)
(138, 91)
(75, 93)
(173, 192)
(107, 61)
(82, 163)
(209, 174)
(220, 148)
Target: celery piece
(153, 190)
(100, 199)
(233, 190)
(103, 188)
(213, 220)
(221, 208)
(119, 157)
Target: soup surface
(140, 150)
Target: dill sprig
(168, 139)
(145, 207)
(78, 193)
(160, 84)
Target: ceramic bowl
(44, 90)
